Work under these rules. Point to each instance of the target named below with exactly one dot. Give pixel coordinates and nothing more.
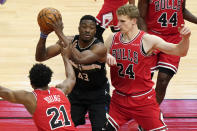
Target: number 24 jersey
(132, 73)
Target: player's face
(87, 30)
(125, 23)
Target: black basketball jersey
(89, 76)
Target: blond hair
(130, 10)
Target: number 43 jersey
(89, 76)
(52, 111)
(131, 75)
(164, 16)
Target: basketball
(48, 15)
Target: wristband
(42, 35)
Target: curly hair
(40, 75)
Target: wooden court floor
(19, 33)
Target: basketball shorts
(143, 109)
(107, 16)
(92, 102)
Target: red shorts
(143, 109)
(107, 15)
(163, 60)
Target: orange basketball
(48, 15)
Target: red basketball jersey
(52, 111)
(132, 73)
(164, 16)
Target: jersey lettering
(55, 122)
(166, 4)
(164, 21)
(120, 54)
(83, 76)
(128, 71)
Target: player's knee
(166, 73)
(164, 76)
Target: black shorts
(96, 112)
(92, 102)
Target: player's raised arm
(152, 42)
(67, 85)
(44, 20)
(44, 53)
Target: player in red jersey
(163, 18)
(130, 60)
(107, 16)
(49, 106)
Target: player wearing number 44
(163, 18)
(49, 106)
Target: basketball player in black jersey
(88, 57)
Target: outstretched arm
(143, 9)
(152, 42)
(19, 96)
(67, 85)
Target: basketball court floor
(19, 34)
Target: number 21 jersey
(52, 111)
